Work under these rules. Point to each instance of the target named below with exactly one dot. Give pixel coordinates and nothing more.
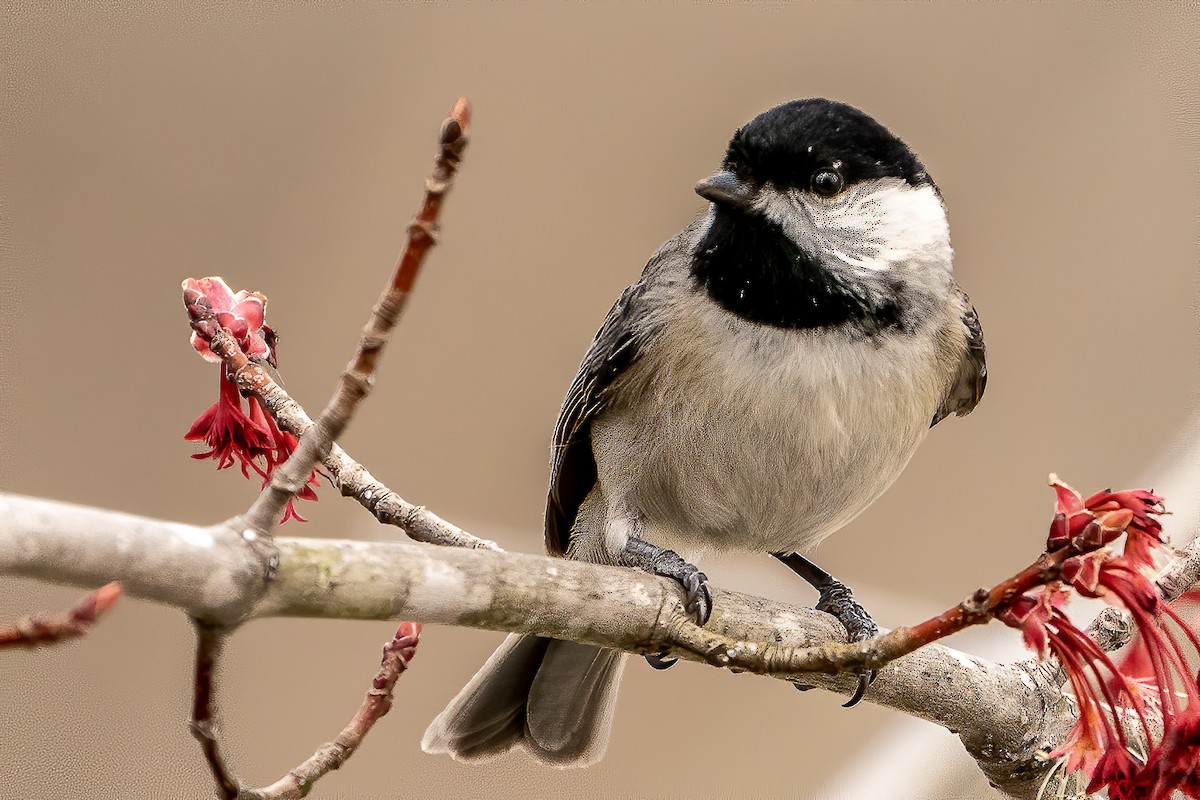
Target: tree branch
(1005, 714)
(356, 381)
(317, 439)
(358, 378)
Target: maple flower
(245, 435)
(1161, 697)
(231, 435)
(1073, 513)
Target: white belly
(761, 439)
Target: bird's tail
(554, 698)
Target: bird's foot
(698, 595)
(837, 599)
(652, 558)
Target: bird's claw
(669, 564)
(865, 678)
(698, 603)
(659, 661)
(699, 596)
(838, 600)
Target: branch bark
(1113, 629)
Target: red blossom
(230, 434)
(1073, 514)
(1032, 611)
(1116, 770)
(252, 440)
(1154, 681)
(1173, 765)
(1135, 662)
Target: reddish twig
(210, 641)
(39, 629)
(358, 378)
(350, 476)
(830, 657)
(332, 755)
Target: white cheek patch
(873, 226)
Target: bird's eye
(827, 182)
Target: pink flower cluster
(1108, 699)
(235, 433)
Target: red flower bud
(253, 441)
(1059, 534)
(242, 314)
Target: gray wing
(971, 378)
(572, 465)
(630, 326)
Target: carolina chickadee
(768, 376)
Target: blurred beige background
(284, 148)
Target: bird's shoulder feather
(970, 380)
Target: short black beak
(726, 189)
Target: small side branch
(297, 783)
(358, 378)
(315, 445)
(40, 629)
(351, 477)
(317, 439)
(210, 642)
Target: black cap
(789, 143)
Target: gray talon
(657, 661)
(697, 593)
(699, 602)
(837, 599)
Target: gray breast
(727, 434)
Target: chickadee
(768, 376)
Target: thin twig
(298, 782)
(359, 376)
(39, 629)
(350, 476)
(770, 659)
(210, 642)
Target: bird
(767, 377)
